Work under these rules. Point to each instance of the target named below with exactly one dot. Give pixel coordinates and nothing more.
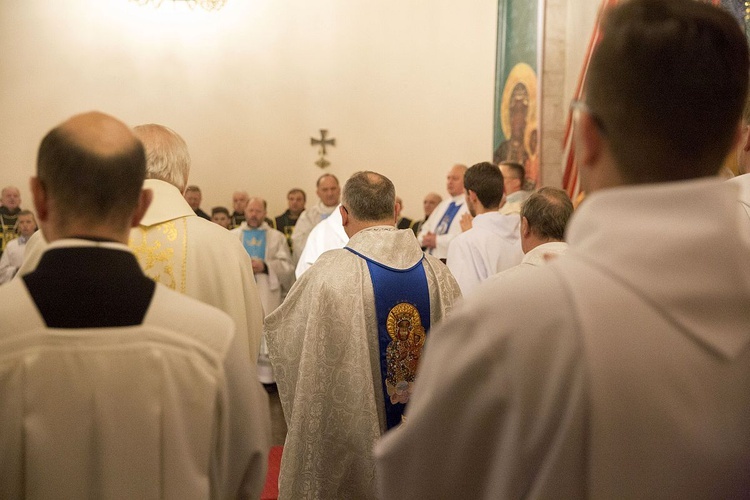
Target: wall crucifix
(322, 142)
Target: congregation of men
(605, 357)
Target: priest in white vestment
(493, 243)
(328, 190)
(544, 217)
(272, 267)
(343, 374)
(188, 253)
(437, 232)
(622, 369)
(328, 235)
(114, 386)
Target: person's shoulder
(14, 298)
(332, 259)
(522, 305)
(187, 316)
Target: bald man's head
(455, 180)
(92, 167)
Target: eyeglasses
(576, 105)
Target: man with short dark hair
(346, 342)
(193, 196)
(220, 216)
(328, 190)
(114, 386)
(493, 242)
(622, 369)
(514, 177)
(285, 222)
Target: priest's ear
(525, 229)
(41, 200)
(144, 201)
(344, 215)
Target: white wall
(405, 86)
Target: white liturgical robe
(323, 342)
(12, 258)
(538, 256)
(620, 370)
(196, 257)
(328, 235)
(493, 244)
(308, 219)
(431, 224)
(273, 285)
(743, 181)
(160, 409)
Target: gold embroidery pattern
(9, 232)
(155, 251)
(404, 326)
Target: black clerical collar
(92, 238)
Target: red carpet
(271, 488)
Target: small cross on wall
(322, 142)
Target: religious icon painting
(516, 131)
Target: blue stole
(402, 306)
(448, 216)
(254, 241)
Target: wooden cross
(322, 142)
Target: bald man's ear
(144, 201)
(41, 201)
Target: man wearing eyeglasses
(514, 177)
(622, 369)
